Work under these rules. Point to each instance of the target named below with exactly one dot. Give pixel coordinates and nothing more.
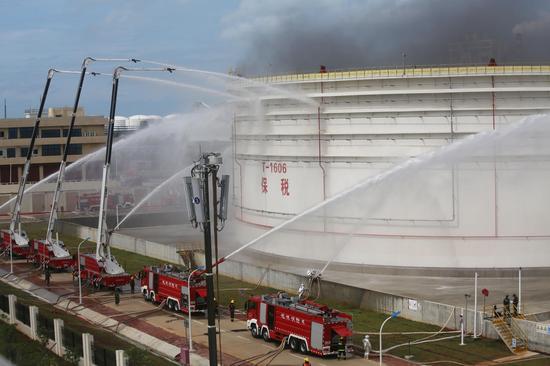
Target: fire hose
(258, 359)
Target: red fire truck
(95, 274)
(90, 201)
(170, 284)
(20, 251)
(308, 326)
(42, 252)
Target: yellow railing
(408, 71)
(508, 317)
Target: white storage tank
(289, 156)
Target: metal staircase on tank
(509, 331)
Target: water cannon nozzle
(170, 69)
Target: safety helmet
(232, 301)
(306, 359)
(367, 336)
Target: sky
(249, 36)
(36, 35)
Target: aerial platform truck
(307, 326)
(52, 251)
(15, 240)
(102, 269)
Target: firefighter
(117, 296)
(515, 304)
(47, 275)
(232, 310)
(132, 284)
(341, 348)
(506, 304)
(366, 346)
(301, 290)
(306, 362)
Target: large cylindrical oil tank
(289, 156)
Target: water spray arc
(150, 194)
(279, 91)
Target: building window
(2, 134)
(77, 132)
(25, 132)
(24, 151)
(12, 132)
(49, 150)
(89, 133)
(75, 149)
(11, 152)
(51, 133)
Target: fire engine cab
(308, 326)
(168, 283)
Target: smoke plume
(289, 36)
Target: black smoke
(290, 37)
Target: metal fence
(45, 326)
(4, 303)
(73, 340)
(407, 71)
(22, 313)
(104, 356)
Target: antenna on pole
(5, 109)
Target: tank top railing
(407, 71)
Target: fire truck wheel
(254, 331)
(176, 307)
(303, 347)
(170, 305)
(265, 335)
(294, 344)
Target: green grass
(473, 352)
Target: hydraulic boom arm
(58, 250)
(15, 224)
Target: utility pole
(202, 210)
(5, 109)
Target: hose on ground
(258, 359)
